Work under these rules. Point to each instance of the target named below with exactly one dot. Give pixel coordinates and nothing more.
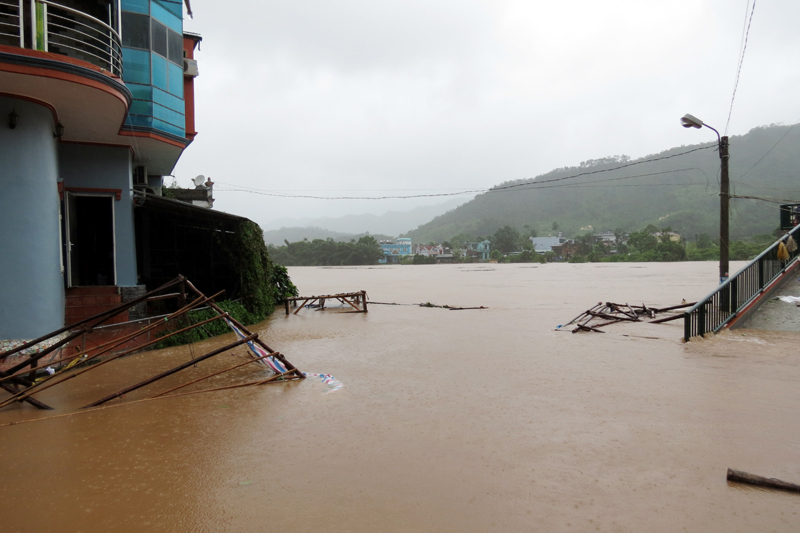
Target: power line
(770, 200)
(536, 182)
(593, 184)
(533, 183)
(768, 151)
(312, 197)
(739, 69)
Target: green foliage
(212, 329)
(423, 260)
(704, 241)
(505, 239)
(328, 252)
(527, 256)
(263, 284)
(642, 242)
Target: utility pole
(724, 199)
(689, 121)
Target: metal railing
(76, 34)
(61, 30)
(721, 306)
(12, 29)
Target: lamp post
(688, 121)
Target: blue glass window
(136, 65)
(137, 6)
(159, 72)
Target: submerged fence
(714, 311)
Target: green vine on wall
(263, 285)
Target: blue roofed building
(393, 252)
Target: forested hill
(678, 188)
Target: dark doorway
(90, 240)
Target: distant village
(558, 248)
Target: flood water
(471, 420)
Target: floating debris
(607, 313)
(19, 380)
(356, 300)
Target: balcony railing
(61, 30)
(723, 305)
(11, 26)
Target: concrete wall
(106, 167)
(31, 282)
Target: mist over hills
(278, 237)
(388, 225)
(677, 188)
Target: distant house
(606, 236)
(393, 251)
(477, 250)
(543, 245)
(201, 195)
(428, 250)
(566, 249)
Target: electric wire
(768, 152)
(534, 184)
(763, 199)
(739, 68)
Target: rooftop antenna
(199, 180)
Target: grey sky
(376, 98)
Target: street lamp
(689, 121)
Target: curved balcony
(60, 29)
(11, 23)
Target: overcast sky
(379, 98)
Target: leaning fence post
(701, 320)
(687, 326)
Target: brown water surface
(474, 420)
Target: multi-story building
(96, 102)
(477, 250)
(394, 251)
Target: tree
(505, 239)
(620, 241)
(642, 241)
(704, 241)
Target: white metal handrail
(80, 35)
(11, 21)
(80, 14)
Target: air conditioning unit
(190, 68)
(139, 175)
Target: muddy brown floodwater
(475, 420)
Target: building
(202, 195)
(428, 250)
(567, 249)
(96, 106)
(394, 251)
(542, 245)
(477, 250)
(606, 237)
